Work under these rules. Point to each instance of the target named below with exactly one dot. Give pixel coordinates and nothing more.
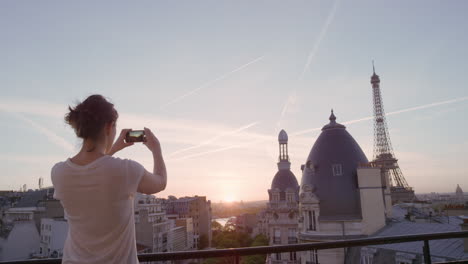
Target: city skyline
(217, 89)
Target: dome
(331, 169)
(283, 180)
(283, 137)
(459, 190)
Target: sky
(217, 80)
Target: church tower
(282, 209)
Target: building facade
(199, 210)
(53, 234)
(151, 225)
(282, 209)
(342, 196)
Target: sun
(229, 199)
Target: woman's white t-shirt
(98, 199)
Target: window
(314, 256)
(311, 221)
(292, 255)
(337, 170)
(290, 197)
(292, 236)
(278, 256)
(367, 255)
(366, 259)
(276, 197)
(277, 236)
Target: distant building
(262, 224)
(282, 209)
(151, 224)
(30, 206)
(412, 252)
(246, 222)
(22, 231)
(459, 194)
(197, 208)
(182, 242)
(53, 235)
(19, 240)
(158, 232)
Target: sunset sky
(217, 80)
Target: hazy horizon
(217, 81)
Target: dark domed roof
(331, 169)
(284, 179)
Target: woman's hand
(120, 143)
(152, 143)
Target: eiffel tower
(383, 151)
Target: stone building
(342, 196)
(282, 209)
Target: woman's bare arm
(153, 182)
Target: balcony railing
(237, 252)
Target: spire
(374, 78)
(333, 123)
(332, 117)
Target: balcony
(276, 240)
(236, 253)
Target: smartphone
(135, 136)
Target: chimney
(464, 227)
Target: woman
(97, 190)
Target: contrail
(292, 97)
(456, 100)
(322, 34)
(51, 136)
(214, 139)
(218, 150)
(211, 82)
(318, 128)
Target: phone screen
(135, 136)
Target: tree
(259, 240)
(216, 226)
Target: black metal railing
(237, 252)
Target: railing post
(237, 259)
(427, 252)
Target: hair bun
(89, 117)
